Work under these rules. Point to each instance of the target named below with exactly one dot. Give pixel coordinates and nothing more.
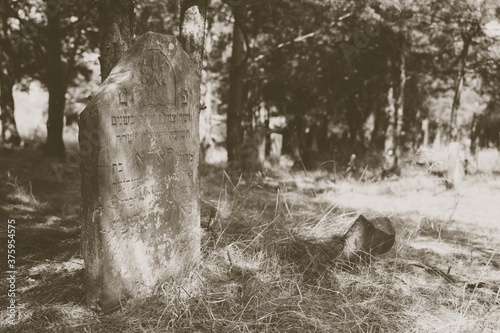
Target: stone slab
(139, 147)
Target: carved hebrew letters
(144, 170)
(158, 79)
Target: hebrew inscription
(140, 187)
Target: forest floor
(442, 275)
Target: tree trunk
(10, 134)
(323, 135)
(455, 164)
(353, 120)
(297, 140)
(399, 106)
(234, 137)
(458, 89)
(9, 128)
(395, 110)
(57, 86)
(390, 163)
(436, 144)
(116, 30)
(473, 135)
(192, 29)
(391, 125)
(380, 123)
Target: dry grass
(268, 260)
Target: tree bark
(473, 135)
(391, 126)
(399, 106)
(395, 107)
(234, 137)
(353, 119)
(10, 134)
(390, 163)
(296, 140)
(458, 89)
(436, 144)
(379, 126)
(116, 30)
(57, 86)
(192, 29)
(455, 164)
(323, 134)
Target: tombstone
(425, 130)
(259, 140)
(276, 146)
(140, 189)
(365, 238)
(437, 139)
(455, 172)
(390, 165)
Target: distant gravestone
(139, 145)
(455, 171)
(276, 146)
(425, 130)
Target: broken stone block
(365, 238)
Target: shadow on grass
(38, 244)
(245, 283)
(51, 301)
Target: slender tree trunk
(353, 119)
(57, 87)
(234, 137)
(380, 121)
(391, 125)
(390, 163)
(192, 29)
(323, 135)
(458, 89)
(399, 106)
(436, 144)
(9, 128)
(473, 135)
(10, 134)
(297, 139)
(260, 137)
(395, 108)
(116, 19)
(455, 158)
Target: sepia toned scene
(250, 166)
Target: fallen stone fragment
(365, 238)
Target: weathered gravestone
(139, 145)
